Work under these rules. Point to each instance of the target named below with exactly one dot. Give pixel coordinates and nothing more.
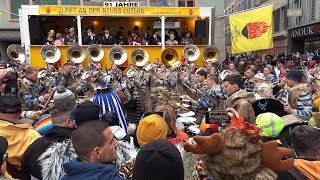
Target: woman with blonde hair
(174, 134)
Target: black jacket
(154, 40)
(110, 40)
(86, 39)
(29, 163)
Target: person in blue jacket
(96, 147)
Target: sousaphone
(169, 56)
(50, 54)
(76, 54)
(16, 53)
(139, 57)
(118, 55)
(95, 52)
(191, 52)
(210, 53)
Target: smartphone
(217, 117)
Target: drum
(44, 124)
(193, 130)
(180, 125)
(268, 105)
(187, 114)
(186, 120)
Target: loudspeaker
(200, 29)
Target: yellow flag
(252, 30)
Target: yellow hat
(151, 128)
(316, 102)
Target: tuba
(50, 54)
(118, 55)
(16, 53)
(191, 52)
(95, 52)
(139, 57)
(210, 53)
(76, 54)
(169, 56)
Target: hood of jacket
(76, 169)
(310, 169)
(299, 87)
(51, 161)
(241, 94)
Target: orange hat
(151, 128)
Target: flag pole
(246, 10)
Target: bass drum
(268, 105)
(290, 121)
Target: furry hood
(299, 87)
(52, 160)
(125, 152)
(241, 94)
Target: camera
(217, 117)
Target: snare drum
(193, 130)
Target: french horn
(210, 53)
(16, 53)
(191, 52)
(169, 56)
(76, 54)
(95, 52)
(139, 57)
(118, 55)
(50, 54)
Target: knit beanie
(158, 160)
(150, 128)
(294, 75)
(63, 99)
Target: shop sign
(119, 11)
(305, 31)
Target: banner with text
(119, 11)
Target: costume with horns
(238, 153)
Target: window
(15, 6)
(70, 2)
(186, 3)
(44, 2)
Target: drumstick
(187, 86)
(184, 140)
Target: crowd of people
(73, 122)
(89, 37)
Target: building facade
(280, 22)
(304, 27)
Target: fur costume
(51, 161)
(242, 102)
(238, 153)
